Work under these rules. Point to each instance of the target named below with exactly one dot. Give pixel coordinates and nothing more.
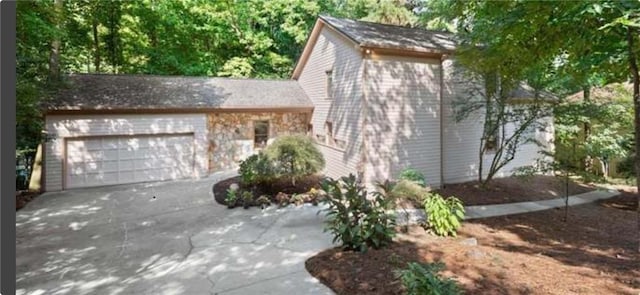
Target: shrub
(353, 219)
(294, 156)
(256, 169)
(247, 199)
(413, 175)
(231, 198)
(263, 201)
(423, 279)
(444, 216)
(409, 190)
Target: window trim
(268, 135)
(329, 83)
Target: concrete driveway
(163, 238)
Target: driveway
(163, 238)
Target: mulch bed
(513, 189)
(627, 200)
(595, 252)
(302, 185)
(24, 197)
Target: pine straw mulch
(595, 252)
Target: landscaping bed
(24, 197)
(513, 189)
(283, 188)
(533, 253)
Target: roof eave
(176, 110)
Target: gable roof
(376, 35)
(606, 93)
(368, 35)
(147, 92)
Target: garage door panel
(117, 160)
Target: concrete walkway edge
(413, 216)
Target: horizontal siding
(60, 127)
(338, 163)
(403, 118)
(462, 139)
(343, 107)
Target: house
(376, 98)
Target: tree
(563, 38)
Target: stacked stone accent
(231, 134)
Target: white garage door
(128, 159)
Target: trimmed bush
(444, 216)
(413, 175)
(294, 156)
(423, 279)
(357, 222)
(256, 169)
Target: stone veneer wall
(231, 134)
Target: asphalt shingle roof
(392, 37)
(101, 91)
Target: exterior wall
(343, 108)
(231, 135)
(402, 126)
(67, 126)
(462, 139)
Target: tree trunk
(54, 55)
(633, 66)
(96, 47)
(587, 161)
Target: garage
(97, 161)
(120, 129)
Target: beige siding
(343, 108)
(61, 127)
(403, 117)
(462, 139)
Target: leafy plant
(256, 169)
(297, 199)
(355, 220)
(247, 199)
(423, 279)
(294, 156)
(413, 175)
(263, 201)
(444, 216)
(231, 198)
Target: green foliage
(256, 169)
(444, 216)
(356, 221)
(232, 197)
(413, 175)
(247, 199)
(409, 190)
(423, 279)
(263, 201)
(610, 122)
(294, 156)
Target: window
(491, 143)
(260, 133)
(329, 132)
(329, 84)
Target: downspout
(363, 158)
(442, 57)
